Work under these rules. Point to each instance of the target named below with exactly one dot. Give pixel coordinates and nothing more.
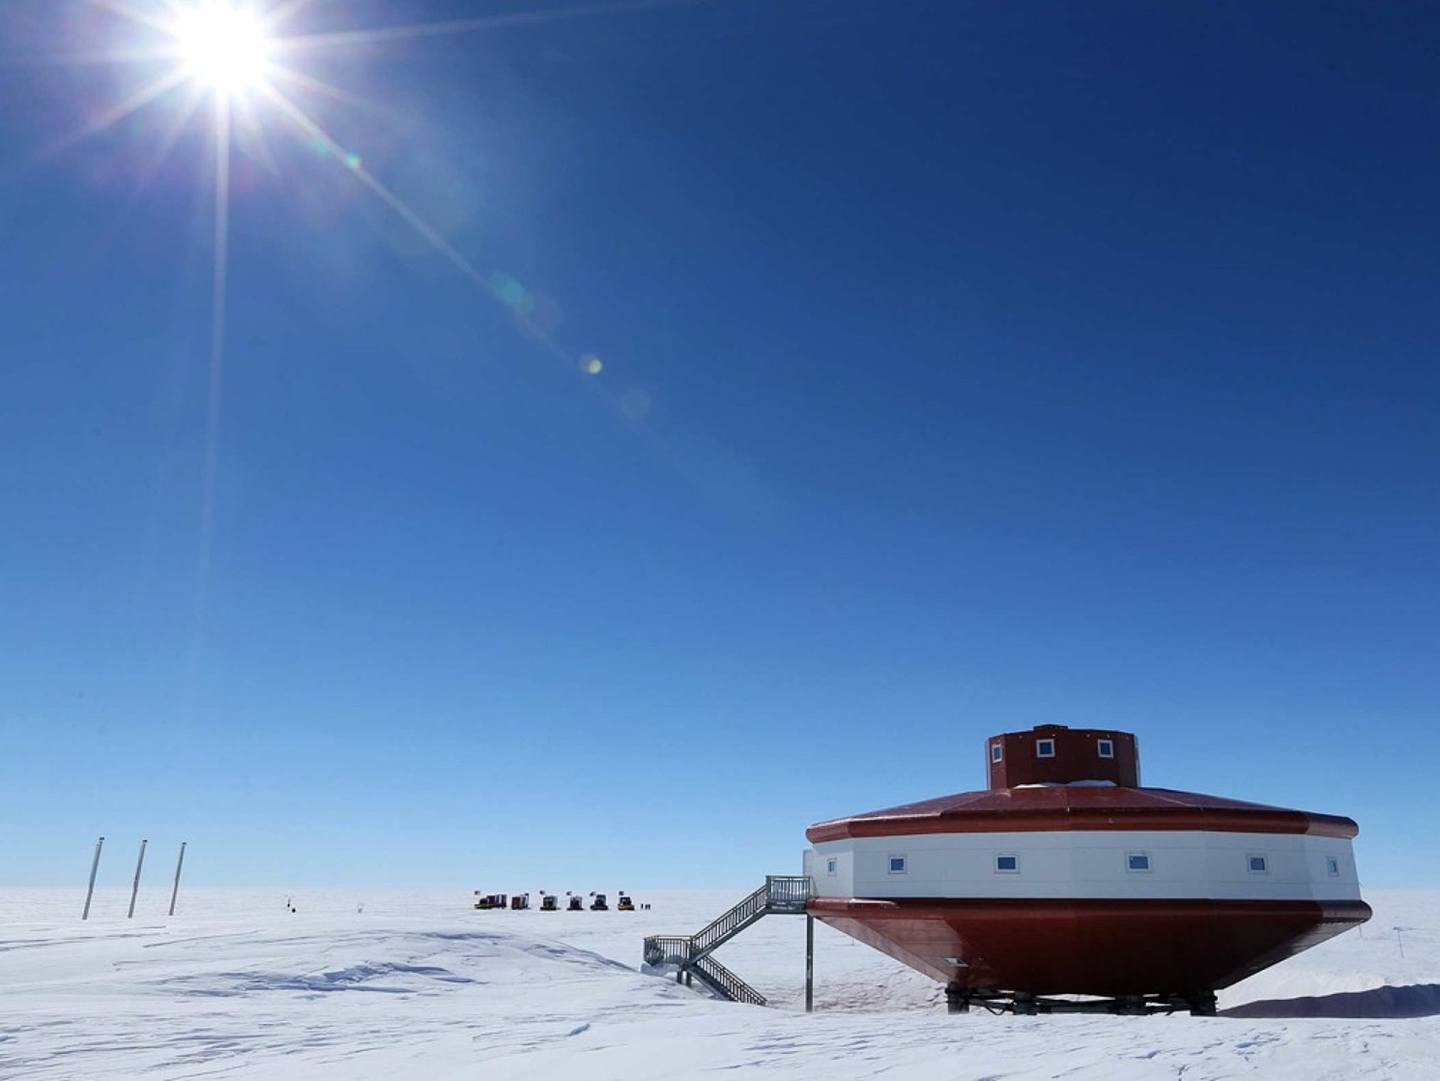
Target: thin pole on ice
(94, 866)
(178, 864)
(135, 889)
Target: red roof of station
(1080, 807)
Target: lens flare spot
(509, 290)
(352, 161)
(590, 364)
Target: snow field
(418, 985)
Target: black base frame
(959, 999)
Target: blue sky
(965, 367)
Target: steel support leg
(1202, 1004)
(809, 963)
(957, 1000)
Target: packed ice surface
(417, 985)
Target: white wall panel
(1088, 863)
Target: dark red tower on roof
(1054, 754)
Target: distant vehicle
(519, 901)
(484, 901)
(548, 903)
(624, 904)
(598, 904)
(577, 903)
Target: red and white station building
(1066, 877)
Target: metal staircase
(691, 954)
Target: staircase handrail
(695, 953)
(787, 893)
(730, 921)
(726, 982)
(667, 949)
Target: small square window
(830, 865)
(1007, 863)
(1137, 861)
(997, 752)
(1332, 866)
(1258, 864)
(897, 865)
(1044, 748)
(1105, 748)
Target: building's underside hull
(1089, 947)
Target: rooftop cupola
(1055, 754)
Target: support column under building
(809, 963)
(957, 998)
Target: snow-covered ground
(418, 985)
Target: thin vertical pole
(178, 864)
(809, 963)
(94, 866)
(135, 889)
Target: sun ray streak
(156, 159)
(117, 112)
(218, 281)
(318, 86)
(82, 58)
(315, 131)
(134, 14)
(172, 132)
(311, 128)
(286, 11)
(445, 27)
(226, 53)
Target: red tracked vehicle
(1067, 878)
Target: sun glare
(223, 45)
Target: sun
(223, 45)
